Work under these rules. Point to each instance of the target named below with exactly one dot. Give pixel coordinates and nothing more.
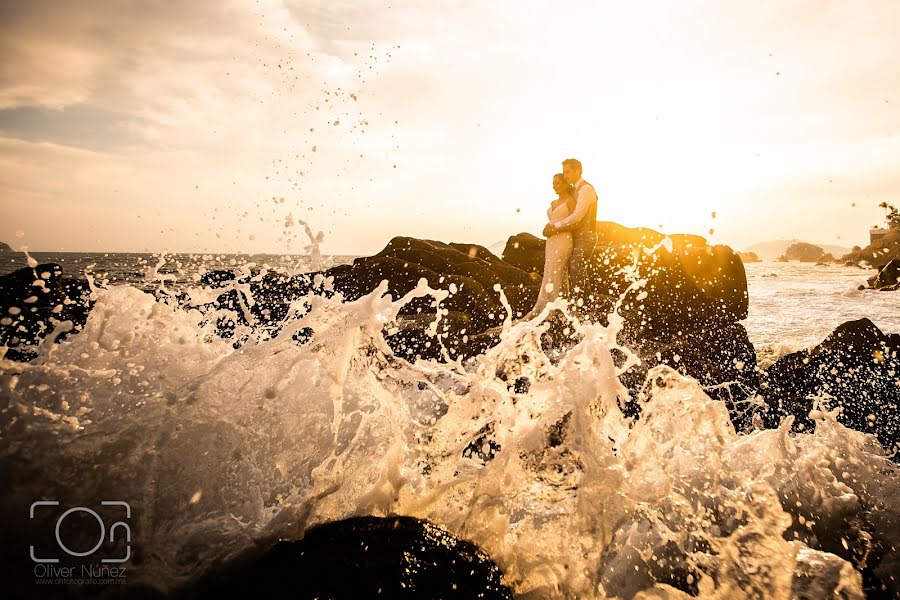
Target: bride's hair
(568, 188)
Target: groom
(581, 223)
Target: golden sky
(217, 126)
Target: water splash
(222, 449)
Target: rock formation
(856, 368)
(685, 313)
(888, 278)
(33, 302)
(805, 252)
(748, 257)
(366, 557)
(879, 253)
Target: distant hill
(770, 251)
(497, 247)
(806, 253)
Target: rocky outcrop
(888, 279)
(748, 257)
(856, 368)
(685, 312)
(525, 251)
(4, 247)
(879, 253)
(390, 557)
(686, 315)
(805, 252)
(696, 296)
(33, 302)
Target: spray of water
(224, 448)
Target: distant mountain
(770, 251)
(498, 247)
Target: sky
(225, 126)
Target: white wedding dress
(556, 260)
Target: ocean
(219, 449)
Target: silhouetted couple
(571, 239)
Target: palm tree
(893, 216)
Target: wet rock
(472, 270)
(856, 368)
(888, 277)
(33, 302)
(526, 252)
(367, 557)
(720, 357)
(823, 575)
(685, 314)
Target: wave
(222, 449)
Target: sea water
(220, 449)
(796, 305)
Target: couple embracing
(571, 239)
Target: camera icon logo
(120, 528)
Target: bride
(558, 247)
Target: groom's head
(572, 169)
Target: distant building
(876, 233)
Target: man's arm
(585, 197)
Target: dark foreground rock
(367, 557)
(856, 368)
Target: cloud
(78, 125)
(207, 103)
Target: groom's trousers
(581, 265)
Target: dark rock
(694, 284)
(412, 342)
(33, 302)
(217, 278)
(366, 557)
(887, 277)
(856, 368)
(695, 296)
(689, 307)
(4, 247)
(686, 289)
(720, 357)
(526, 252)
(472, 269)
